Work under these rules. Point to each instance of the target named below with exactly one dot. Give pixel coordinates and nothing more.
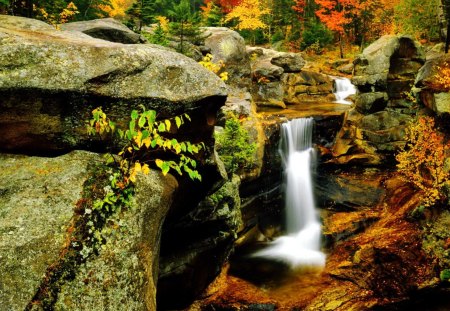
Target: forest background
(313, 26)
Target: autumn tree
(117, 8)
(249, 15)
(423, 160)
(336, 15)
(211, 14)
(418, 18)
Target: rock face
(38, 199)
(384, 74)
(430, 90)
(107, 29)
(195, 248)
(278, 79)
(50, 81)
(228, 46)
(58, 77)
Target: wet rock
(348, 191)
(371, 102)
(107, 29)
(304, 86)
(384, 74)
(188, 245)
(290, 62)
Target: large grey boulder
(373, 66)
(40, 201)
(106, 29)
(384, 74)
(50, 80)
(37, 197)
(228, 46)
(7, 21)
(371, 102)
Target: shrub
(234, 146)
(422, 161)
(316, 33)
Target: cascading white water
(343, 89)
(301, 247)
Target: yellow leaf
(137, 167)
(132, 177)
(147, 142)
(145, 169)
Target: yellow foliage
(208, 64)
(422, 161)
(443, 77)
(116, 8)
(163, 22)
(63, 17)
(249, 13)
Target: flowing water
(301, 246)
(343, 89)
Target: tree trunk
(447, 39)
(341, 46)
(29, 9)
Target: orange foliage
(369, 18)
(442, 77)
(335, 14)
(422, 161)
(299, 7)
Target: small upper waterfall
(301, 247)
(343, 89)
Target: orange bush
(422, 161)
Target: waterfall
(343, 89)
(301, 246)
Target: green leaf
(142, 121)
(187, 117)
(161, 127)
(129, 135)
(151, 117)
(153, 143)
(132, 125)
(168, 124)
(134, 114)
(165, 168)
(189, 147)
(145, 134)
(178, 121)
(193, 163)
(121, 133)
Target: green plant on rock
(143, 144)
(234, 145)
(144, 137)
